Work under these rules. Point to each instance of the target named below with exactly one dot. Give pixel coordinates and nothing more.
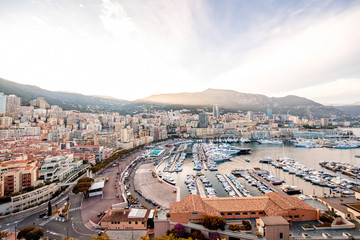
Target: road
(74, 227)
(54, 229)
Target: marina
(282, 169)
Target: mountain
(228, 100)
(247, 102)
(66, 100)
(350, 109)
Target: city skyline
(131, 50)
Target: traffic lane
(19, 216)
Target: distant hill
(65, 100)
(350, 109)
(247, 102)
(228, 100)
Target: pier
(171, 169)
(266, 183)
(200, 188)
(232, 186)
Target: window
(136, 222)
(222, 214)
(245, 213)
(281, 235)
(129, 222)
(253, 213)
(294, 209)
(229, 214)
(194, 213)
(296, 216)
(237, 214)
(261, 213)
(143, 222)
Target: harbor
(198, 160)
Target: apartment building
(16, 179)
(96, 149)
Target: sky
(131, 49)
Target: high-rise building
(216, 113)
(12, 105)
(269, 113)
(203, 120)
(40, 103)
(2, 103)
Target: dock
(171, 169)
(232, 186)
(266, 183)
(200, 188)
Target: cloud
(338, 92)
(324, 49)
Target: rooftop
(274, 220)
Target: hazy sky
(131, 49)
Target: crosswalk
(46, 221)
(60, 219)
(74, 209)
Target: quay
(266, 183)
(232, 185)
(200, 188)
(171, 169)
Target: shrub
(234, 227)
(325, 224)
(247, 225)
(326, 218)
(179, 230)
(213, 222)
(215, 236)
(308, 225)
(197, 235)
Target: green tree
(86, 179)
(197, 235)
(81, 187)
(103, 236)
(49, 213)
(213, 222)
(31, 233)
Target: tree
(86, 179)
(49, 213)
(197, 235)
(215, 236)
(179, 230)
(103, 236)
(31, 233)
(81, 187)
(213, 222)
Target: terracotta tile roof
(193, 203)
(287, 202)
(274, 220)
(236, 204)
(274, 204)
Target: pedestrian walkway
(200, 188)
(46, 221)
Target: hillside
(350, 109)
(245, 101)
(63, 99)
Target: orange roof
(274, 204)
(193, 203)
(233, 204)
